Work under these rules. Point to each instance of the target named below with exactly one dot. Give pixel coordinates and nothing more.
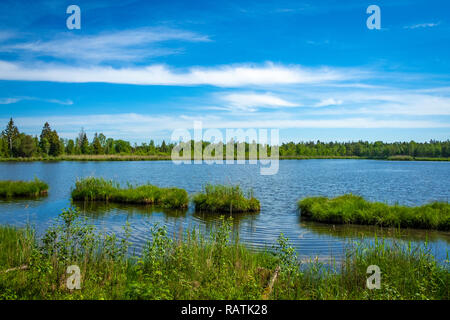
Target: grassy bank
(354, 209)
(119, 157)
(34, 188)
(197, 266)
(99, 189)
(86, 157)
(225, 199)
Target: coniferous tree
(49, 141)
(96, 145)
(10, 134)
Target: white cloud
(224, 76)
(6, 35)
(140, 127)
(389, 103)
(328, 102)
(15, 100)
(9, 100)
(253, 101)
(422, 25)
(373, 101)
(129, 45)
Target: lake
(407, 183)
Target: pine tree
(96, 145)
(10, 134)
(49, 142)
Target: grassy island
(225, 199)
(354, 209)
(197, 266)
(99, 189)
(34, 188)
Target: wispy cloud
(222, 76)
(140, 127)
(422, 25)
(254, 101)
(127, 45)
(18, 99)
(328, 102)
(9, 100)
(383, 102)
(6, 35)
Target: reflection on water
(351, 231)
(212, 218)
(97, 209)
(406, 183)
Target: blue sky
(140, 69)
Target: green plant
(225, 199)
(99, 189)
(32, 188)
(354, 209)
(196, 266)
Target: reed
(352, 209)
(34, 188)
(225, 199)
(201, 266)
(99, 189)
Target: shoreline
(168, 158)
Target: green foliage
(50, 145)
(97, 147)
(10, 134)
(99, 189)
(288, 260)
(24, 146)
(374, 150)
(32, 188)
(197, 267)
(10, 240)
(70, 147)
(225, 199)
(354, 209)
(49, 142)
(407, 273)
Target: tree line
(14, 143)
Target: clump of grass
(198, 266)
(34, 188)
(354, 209)
(99, 189)
(225, 199)
(401, 158)
(408, 272)
(15, 246)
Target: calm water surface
(408, 183)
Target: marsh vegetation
(22, 189)
(203, 266)
(99, 189)
(225, 199)
(354, 209)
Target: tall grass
(354, 209)
(15, 246)
(34, 188)
(202, 266)
(99, 189)
(225, 199)
(407, 273)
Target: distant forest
(15, 144)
